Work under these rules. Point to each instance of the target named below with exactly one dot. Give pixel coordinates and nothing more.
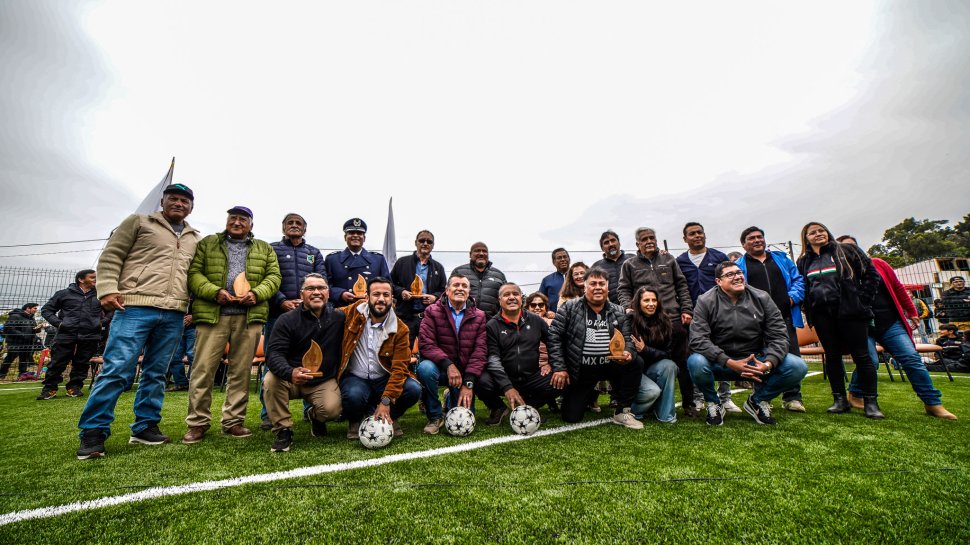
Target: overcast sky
(528, 125)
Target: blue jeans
(657, 390)
(786, 376)
(186, 347)
(360, 396)
(900, 345)
(431, 378)
(155, 330)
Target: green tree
(913, 240)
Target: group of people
(639, 322)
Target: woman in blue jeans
(651, 333)
(894, 318)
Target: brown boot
(194, 435)
(939, 412)
(856, 402)
(237, 430)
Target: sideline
(163, 491)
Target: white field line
(162, 491)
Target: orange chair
(258, 360)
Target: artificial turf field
(814, 478)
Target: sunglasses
(425, 241)
(537, 305)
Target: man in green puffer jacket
(225, 311)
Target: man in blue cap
(343, 267)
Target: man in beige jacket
(142, 277)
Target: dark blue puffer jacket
(295, 263)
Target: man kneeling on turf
(374, 376)
(314, 320)
(738, 333)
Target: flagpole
(390, 244)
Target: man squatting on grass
(579, 351)
(738, 333)
(142, 276)
(314, 320)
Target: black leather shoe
(841, 404)
(871, 408)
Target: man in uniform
(344, 266)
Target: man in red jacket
(452, 346)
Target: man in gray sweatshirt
(738, 333)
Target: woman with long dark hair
(651, 334)
(840, 284)
(574, 286)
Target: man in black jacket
(314, 320)
(410, 306)
(513, 370)
(76, 313)
(20, 332)
(738, 333)
(484, 278)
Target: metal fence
(19, 285)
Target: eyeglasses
(425, 241)
(537, 305)
(312, 289)
(732, 274)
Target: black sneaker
(761, 411)
(284, 438)
(715, 414)
(317, 428)
(75, 391)
(266, 425)
(495, 417)
(150, 436)
(92, 445)
(46, 394)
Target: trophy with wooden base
(417, 287)
(360, 287)
(617, 344)
(312, 359)
(240, 285)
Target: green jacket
(207, 275)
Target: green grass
(814, 478)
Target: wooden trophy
(241, 286)
(360, 287)
(313, 358)
(617, 344)
(417, 286)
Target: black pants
(624, 377)
(25, 356)
(78, 354)
(678, 353)
(536, 390)
(838, 335)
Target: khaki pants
(210, 345)
(324, 399)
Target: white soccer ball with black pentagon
(460, 422)
(524, 420)
(375, 433)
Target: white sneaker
(627, 419)
(699, 404)
(729, 406)
(794, 406)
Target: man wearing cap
(141, 275)
(224, 316)
(344, 266)
(297, 259)
(956, 302)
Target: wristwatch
(386, 401)
(469, 384)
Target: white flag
(390, 246)
(153, 201)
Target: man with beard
(373, 375)
(314, 320)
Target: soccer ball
(460, 422)
(375, 433)
(524, 420)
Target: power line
(52, 253)
(50, 243)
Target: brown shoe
(856, 402)
(398, 432)
(939, 412)
(238, 431)
(194, 435)
(433, 426)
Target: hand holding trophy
(313, 358)
(360, 287)
(617, 345)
